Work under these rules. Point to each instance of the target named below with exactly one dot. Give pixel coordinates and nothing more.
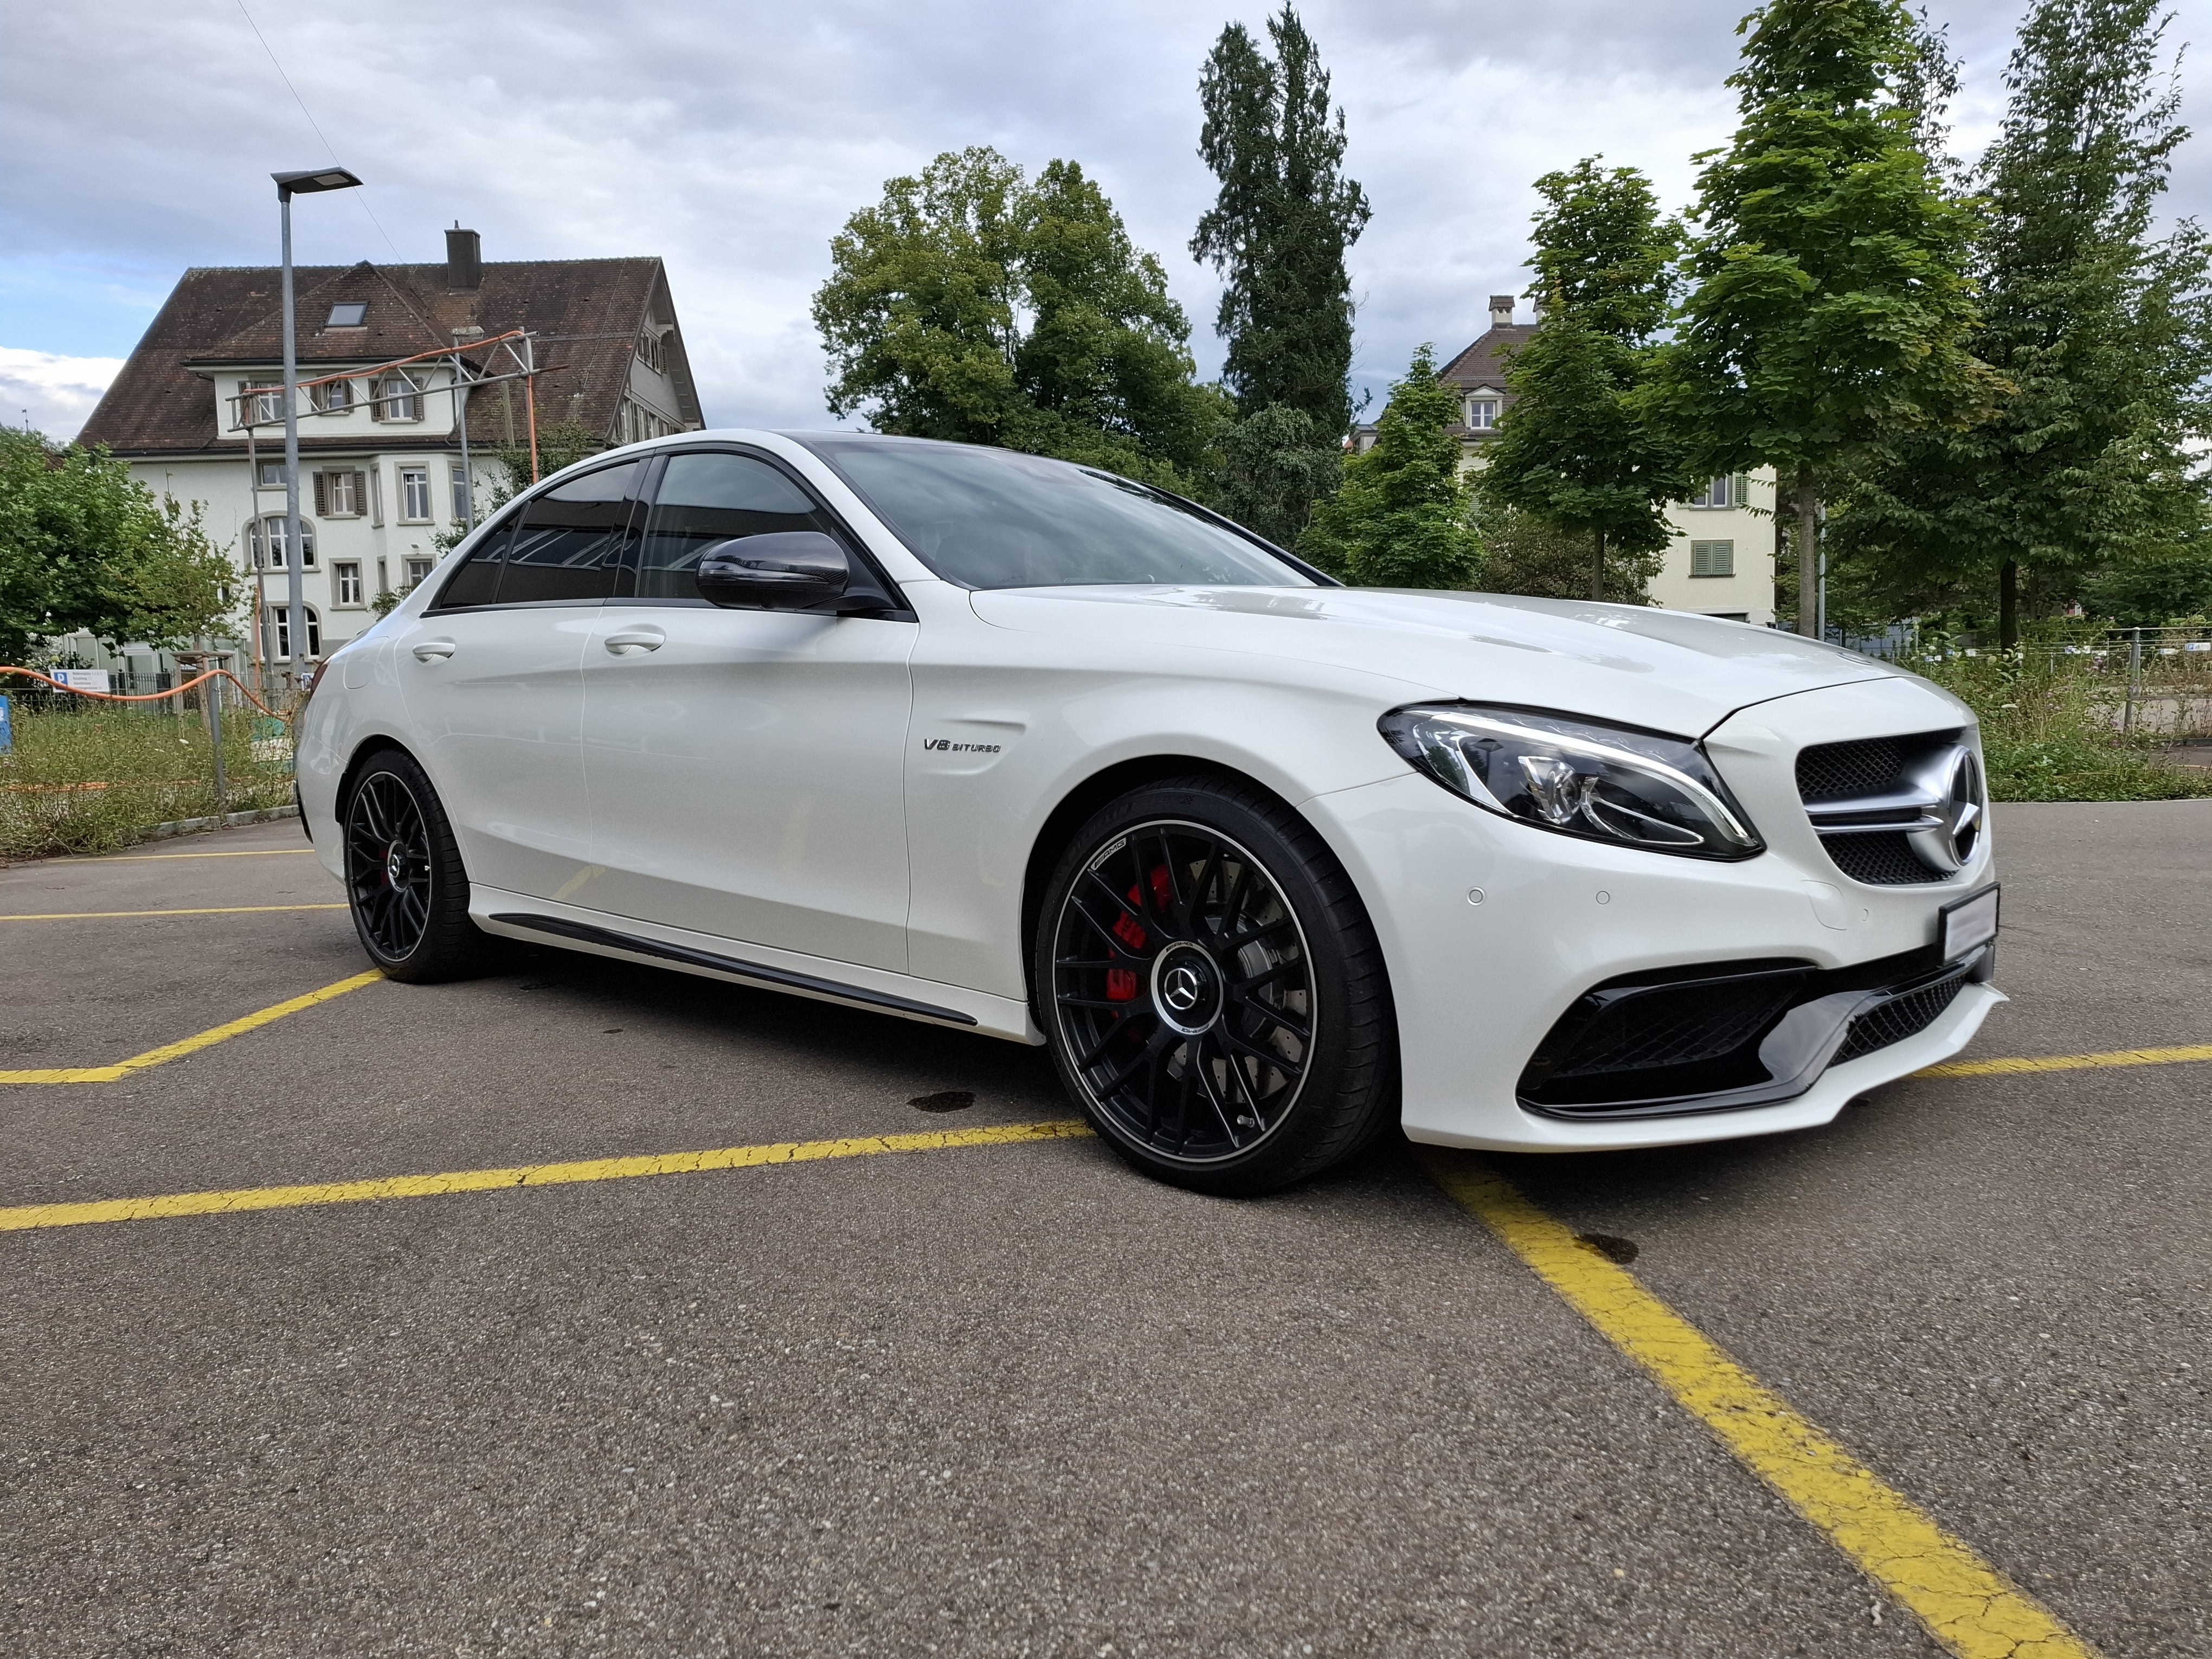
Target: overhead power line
(317, 125)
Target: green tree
(974, 305)
(1577, 447)
(1401, 518)
(84, 545)
(1831, 310)
(2105, 330)
(1522, 553)
(1277, 232)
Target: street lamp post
(289, 184)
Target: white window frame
(338, 488)
(409, 478)
(651, 349)
(279, 639)
(331, 398)
(259, 401)
(418, 569)
(345, 574)
(464, 499)
(399, 407)
(265, 542)
(1480, 410)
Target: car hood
(1664, 669)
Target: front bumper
(1494, 931)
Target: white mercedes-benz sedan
(1014, 745)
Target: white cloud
(732, 137)
(52, 394)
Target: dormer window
(1482, 412)
(348, 313)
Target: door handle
(433, 650)
(634, 639)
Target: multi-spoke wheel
(404, 882)
(1211, 989)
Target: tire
(1212, 991)
(405, 886)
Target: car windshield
(996, 518)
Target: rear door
(491, 676)
(745, 765)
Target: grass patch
(2052, 726)
(90, 778)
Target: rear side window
(703, 498)
(477, 581)
(572, 539)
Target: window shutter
(322, 494)
(360, 493)
(1740, 491)
(376, 401)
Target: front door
(745, 766)
(491, 672)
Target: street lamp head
(306, 184)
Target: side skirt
(781, 978)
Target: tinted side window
(706, 499)
(572, 539)
(477, 582)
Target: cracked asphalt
(1013, 1399)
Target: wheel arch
(1087, 797)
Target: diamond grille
(1894, 1021)
(1878, 860)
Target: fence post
(2134, 683)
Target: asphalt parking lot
(1006, 1397)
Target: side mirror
(787, 570)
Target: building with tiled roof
(1722, 560)
(198, 408)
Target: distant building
(197, 410)
(1721, 563)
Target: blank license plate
(1968, 925)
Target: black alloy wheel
(405, 882)
(1211, 989)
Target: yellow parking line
(2070, 1062)
(527, 1175)
(214, 910)
(1968, 1605)
(191, 1045)
(149, 857)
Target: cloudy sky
(732, 137)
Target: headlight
(1610, 783)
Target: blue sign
(7, 725)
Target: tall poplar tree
(1831, 310)
(1277, 233)
(2105, 330)
(1575, 448)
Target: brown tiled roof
(586, 312)
(1484, 363)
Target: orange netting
(151, 696)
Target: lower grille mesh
(1908, 1015)
(1878, 860)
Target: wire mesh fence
(83, 775)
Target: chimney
(1540, 307)
(465, 260)
(1501, 311)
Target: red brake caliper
(1121, 982)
